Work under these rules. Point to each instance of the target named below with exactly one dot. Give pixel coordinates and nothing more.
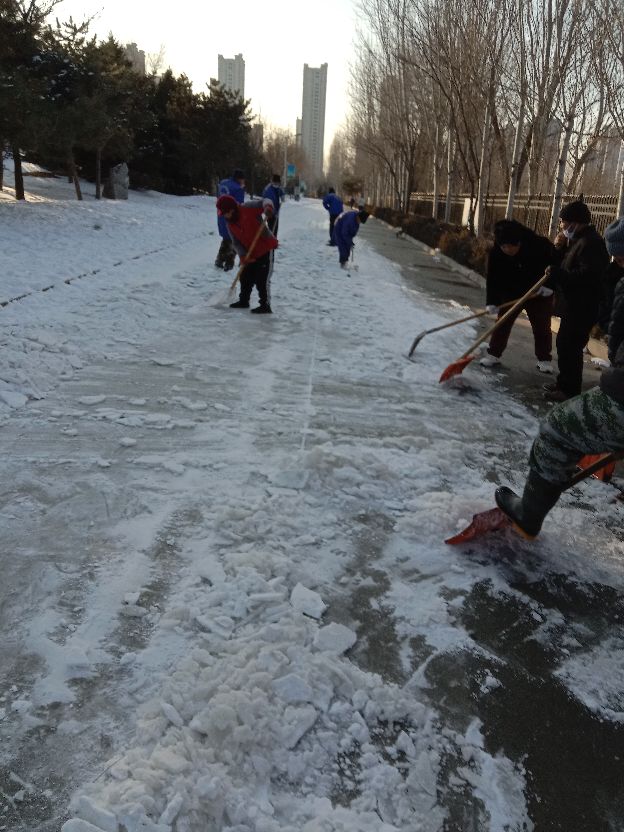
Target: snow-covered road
(227, 603)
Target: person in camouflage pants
(592, 423)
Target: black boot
(240, 304)
(263, 309)
(528, 513)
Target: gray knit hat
(614, 238)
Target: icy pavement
(227, 604)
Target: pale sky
(275, 38)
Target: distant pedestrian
(352, 202)
(516, 262)
(234, 187)
(346, 227)
(242, 223)
(582, 260)
(361, 203)
(333, 205)
(274, 192)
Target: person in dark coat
(346, 227)
(243, 223)
(583, 260)
(234, 187)
(610, 279)
(589, 424)
(333, 205)
(516, 262)
(274, 192)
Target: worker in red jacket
(243, 222)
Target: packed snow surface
(211, 517)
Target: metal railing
(531, 210)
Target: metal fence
(533, 211)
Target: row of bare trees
(474, 96)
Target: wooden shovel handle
(591, 469)
(516, 305)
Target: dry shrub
(462, 247)
(452, 240)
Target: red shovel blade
(456, 368)
(482, 523)
(603, 474)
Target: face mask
(569, 231)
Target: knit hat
(575, 212)
(238, 174)
(614, 238)
(276, 178)
(363, 215)
(508, 232)
(226, 203)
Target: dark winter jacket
(579, 276)
(244, 226)
(275, 194)
(333, 204)
(508, 278)
(233, 188)
(610, 279)
(346, 227)
(612, 379)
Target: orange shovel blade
(603, 474)
(456, 368)
(482, 523)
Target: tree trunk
(563, 157)
(436, 166)
(450, 162)
(515, 163)
(620, 205)
(1, 165)
(73, 175)
(479, 218)
(98, 173)
(19, 176)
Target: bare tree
(156, 61)
(610, 14)
(384, 105)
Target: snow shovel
(226, 296)
(419, 338)
(495, 518)
(457, 367)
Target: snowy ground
(227, 602)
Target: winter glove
(491, 309)
(544, 292)
(269, 210)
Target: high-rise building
(257, 135)
(232, 74)
(136, 57)
(313, 117)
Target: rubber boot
(527, 513)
